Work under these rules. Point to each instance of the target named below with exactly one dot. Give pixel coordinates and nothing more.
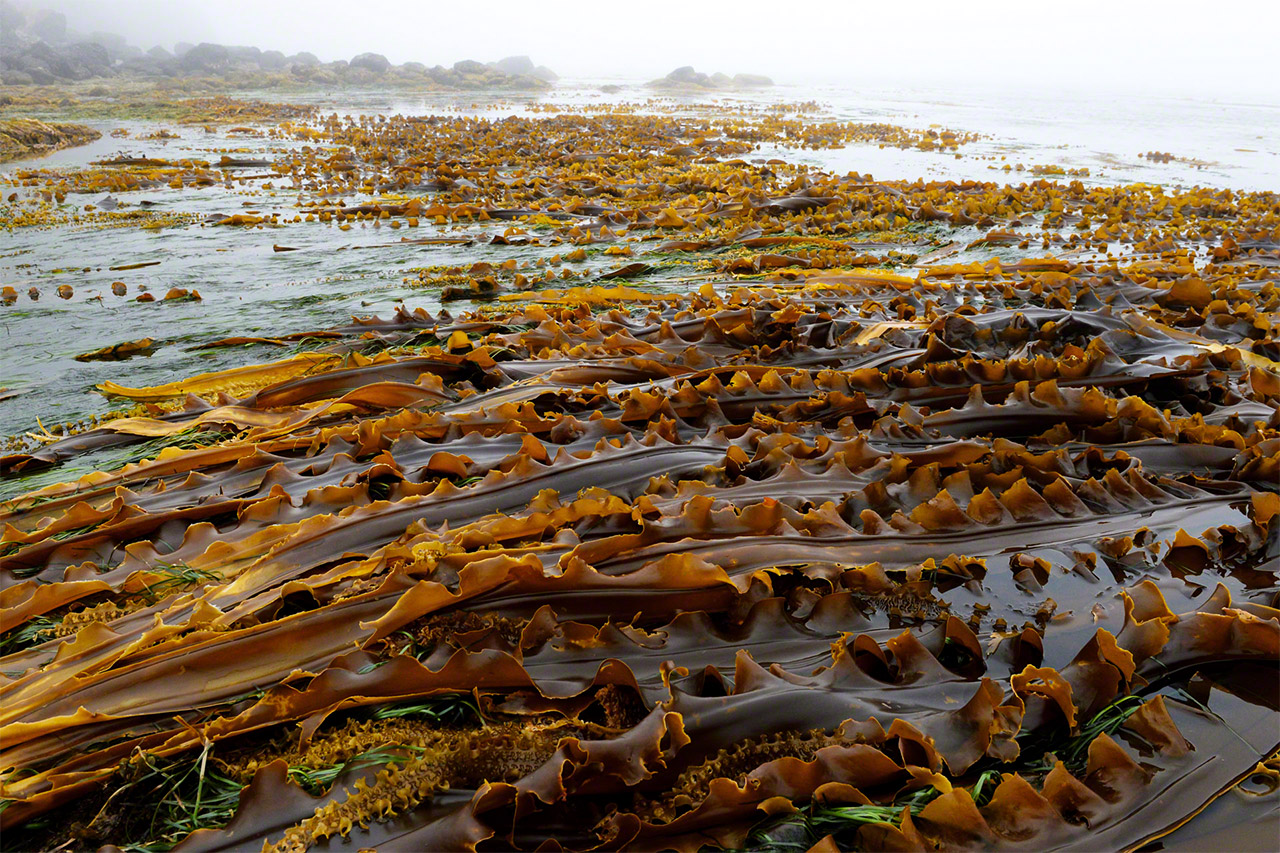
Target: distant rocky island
(40, 47)
(686, 78)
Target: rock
(206, 57)
(515, 65)
(686, 77)
(414, 68)
(83, 60)
(684, 74)
(545, 74)
(17, 78)
(271, 60)
(244, 55)
(304, 59)
(158, 53)
(11, 18)
(116, 45)
(375, 62)
(36, 55)
(469, 66)
(49, 25)
(180, 48)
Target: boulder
(752, 81)
(375, 62)
(545, 74)
(159, 54)
(85, 59)
(180, 48)
(414, 68)
(244, 55)
(116, 45)
(11, 18)
(206, 57)
(271, 60)
(469, 66)
(515, 65)
(684, 74)
(304, 59)
(49, 25)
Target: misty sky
(1225, 49)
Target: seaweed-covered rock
(24, 137)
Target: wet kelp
(28, 137)
(806, 553)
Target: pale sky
(1224, 49)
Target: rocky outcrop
(515, 65)
(687, 78)
(375, 62)
(39, 47)
(205, 58)
(25, 137)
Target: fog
(1224, 50)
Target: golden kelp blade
(236, 380)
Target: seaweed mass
(732, 502)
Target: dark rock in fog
(515, 65)
(49, 26)
(38, 47)
(375, 62)
(11, 18)
(687, 78)
(83, 60)
(244, 55)
(206, 57)
(686, 74)
(117, 46)
(272, 60)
